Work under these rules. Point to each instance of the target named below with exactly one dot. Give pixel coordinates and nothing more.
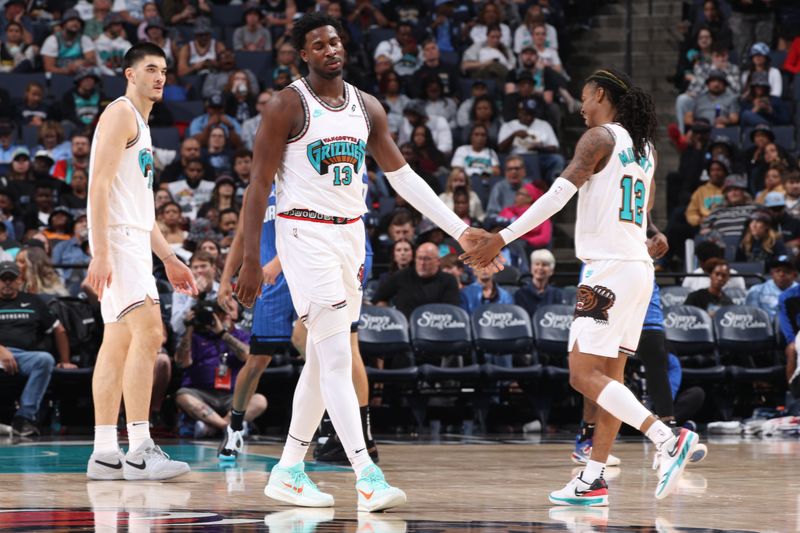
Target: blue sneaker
(583, 451)
(292, 485)
(672, 458)
(375, 494)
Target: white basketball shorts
(323, 264)
(611, 305)
(132, 278)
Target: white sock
(592, 471)
(138, 432)
(619, 401)
(659, 433)
(307, 409)
(335, 360)
(105, 439)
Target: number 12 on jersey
(342, 176)
(632, 209)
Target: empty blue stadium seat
(186, 111)
(690, 336)
(167, 138)
(60, 84)
(113, 86)
(440, 329)
(383, 332)
(259, 63)
(231, 15)
(673, 295)
(502, 328)
(737, 294)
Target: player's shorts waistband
(313, 216)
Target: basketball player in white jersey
(123, 237)
(613, 168)
(314, 137)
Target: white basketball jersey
(322, 165)
(612, 206)
(130, 202)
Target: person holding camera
(204, 271)
(211, 353)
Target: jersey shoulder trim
(363, 108)
(306, 116)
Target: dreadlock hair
(635, 110)
(311, 22)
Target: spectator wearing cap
(787, 226)
(81, 105)
(504, 192)
(415, 115)
(718, 105)
(111, 45)
(433, 68)
(761, 62)
(19, 179)
(7, 146)
(730, 219)
(200, 126)
(200, 55)
(759, 107)
(17, 51)
(532, 79)
(699, 84)
(402, 50)
(34, 111)
(767, 295)
(81, 145)
(538, 237)
(760, 242)
(192, 191)
(528, 134)
(25, 321)
(252, 36)
(424, 283)
(710, 194)
(539, 291)
(156, 33)
(190, 151)
(444, 27)
(68, 50)
(773, 182)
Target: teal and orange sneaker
(374, 493)
(292, 485)
(672, 457)
(579, 492)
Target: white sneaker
(105, 466)
(293, 486)
(149, 462)
(672, 459)
(297, 520)
(375, 494)
(577, 492)
(232, 445)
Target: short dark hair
(461, 191)
(714, 262)
(401, 218)
(706, 250)
(165, 205)
(203, 257)
(311, 22)
(242, 152)
(228, 211)
(139, 51)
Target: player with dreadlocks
(613, 167)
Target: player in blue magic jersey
(273, 318)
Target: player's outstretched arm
(591, 154)
(116, 127)
(281, 117)
(407, 183)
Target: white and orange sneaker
(374, 493)
(293, 486)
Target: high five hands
(482, 249)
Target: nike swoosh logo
(24, 305)
(139, 467)
(110, 465)
(298, 490)
(364, 494)
(361, 450)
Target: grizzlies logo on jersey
(594, 302)
(325, 152)
(147, 165)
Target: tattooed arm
(240, 349)
(592, 153)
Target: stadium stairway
(655, 52)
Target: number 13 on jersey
(632, 208)
(342, 176)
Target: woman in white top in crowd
(760, 62)
(494, 49)
(523, 35)
(458, 178)
(489, 16)
(477, 157)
